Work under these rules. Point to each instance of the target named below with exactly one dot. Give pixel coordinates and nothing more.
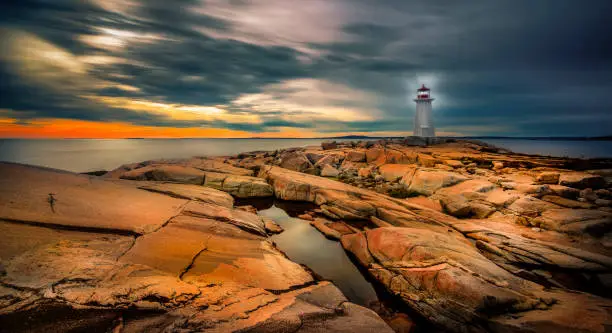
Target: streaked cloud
(283, 67)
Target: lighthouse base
(424, 131)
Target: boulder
(427, 161)
(238, 186)
(603, 193)
(215, 180)
(271, 226)
(330, 159)
(582, 180)
(392, 172)
(427, 181)
(356, 156)
(326, 145)
(376, 156)
(498, 165)
(351, 166)
(530, 206)
(400, 157)
(341, 227)
(401, 323)
(247, 187)
(365, 172)
(548, 178)
(525, 188)
(306, 217)
(297, 161)
(605, 173)
(564, 191)
(453, 163)
(500, 198)
(564, 202)
(314, 157)
(575, 221)
(471, 198)
(443, 167)
(588, 195)
(321, 225)
(329, 171)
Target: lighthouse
(423, 119)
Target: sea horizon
(89, 155)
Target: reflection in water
(305, 245)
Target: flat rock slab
(18, 238)
(206, 164)
(240, 218)
(205, 268)
(209, 251)
(237, 185)
(248, 263)
(582, 180)
(428, 181)
(576, 221)
(47, 196)
(170, 249)
(167, 172)
(191, 192)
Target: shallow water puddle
(303, 244)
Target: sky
(303, 68)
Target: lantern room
(423, 92)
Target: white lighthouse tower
(423, 119)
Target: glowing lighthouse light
(423, 119)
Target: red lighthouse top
(423, 93)
(423, 88)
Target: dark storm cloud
(497, 67)
(223, 69)
(228, 68)
(512, 63)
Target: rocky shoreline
(469, 237)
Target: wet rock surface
(467, 237)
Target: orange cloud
(73, 129)
(60, 128)
(64, 128)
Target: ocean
(83, 155)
